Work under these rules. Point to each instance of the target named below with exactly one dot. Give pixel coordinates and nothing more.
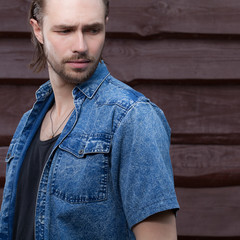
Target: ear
(107, 18)
(37, 30)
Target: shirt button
(80, 151)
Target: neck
(62, 94)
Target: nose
(79, 43)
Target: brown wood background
(185, 56)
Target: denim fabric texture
(109, 170)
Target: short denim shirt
(109, 170)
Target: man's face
(73, 33)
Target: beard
(73, 75)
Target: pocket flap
(87, 144)
(98, 143)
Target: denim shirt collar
(44, 91)
(88, 88)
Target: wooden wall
(185, 56)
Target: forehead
(74, 11)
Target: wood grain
(203, 210)
(184, 55)
(190, 109)
(13, 16)
(3, 152)
(206, 238)
(16, 56)
(173, 59)
(201, 109)
(17, 100)
(184, 16)
(194, 165)
(197, 160)
(131, 60)
(209, 212)
(146, 18)
(211, 139)
(199, 166)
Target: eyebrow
(87, 26)
(99, 26)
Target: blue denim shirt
(109, 170)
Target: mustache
(79, 56)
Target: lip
(81, 64)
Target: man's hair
(37, 12)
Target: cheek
(53, 48)
(47, 46)
(97, 46)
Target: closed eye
(64, 31)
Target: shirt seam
(124, 115)
(116, 85)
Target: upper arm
(159, 226)
(141, 159)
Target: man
(90, 160)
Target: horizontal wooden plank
(225, 178)
(147, 17)
(14, 9)
(206, 212)
(16, 56)
(131, 60)
(205, 138)
(206, 215)
(173, 59)
(190, 109)
(194, 139)
(3, 152)
(194, 166)
(209, 212)
(15, 101)
(199, 166)
(197, 160)
(206, 238)
(184, 16)
(199, 109)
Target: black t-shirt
(27, 188)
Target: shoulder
(115, 92)
(135, 108)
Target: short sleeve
(141, 153)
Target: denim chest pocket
(80, 174)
